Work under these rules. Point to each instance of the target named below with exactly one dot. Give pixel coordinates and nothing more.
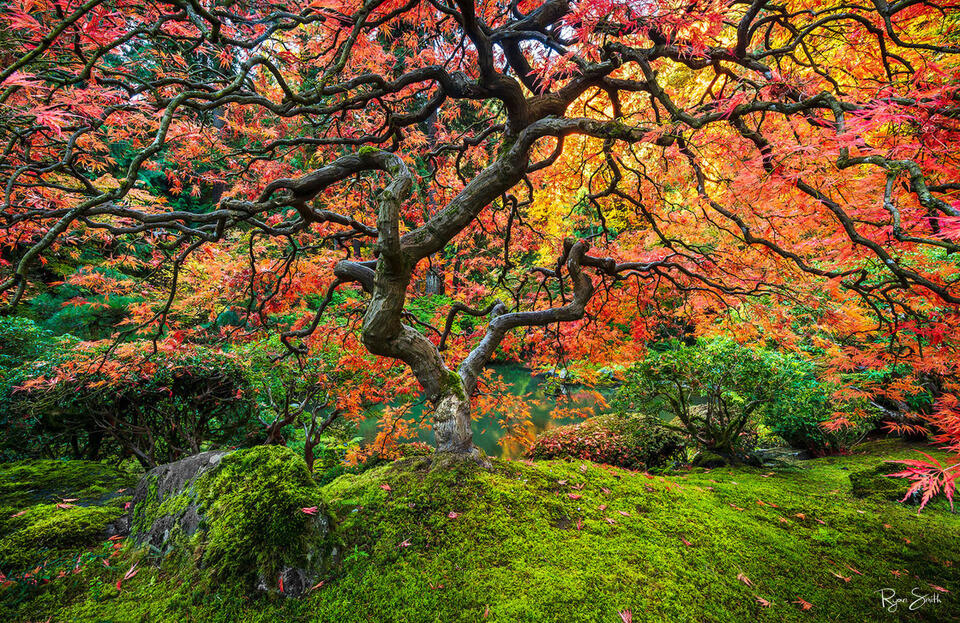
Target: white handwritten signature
(891, 603)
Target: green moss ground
(513, 551)
(27, 482)
(51, 511)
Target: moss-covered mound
(574, 541)
(624, 440)
(707, 459)
(253, 517)
(874, 483)
(50, 511)
(25, 482)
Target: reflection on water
(488, 431)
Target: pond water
(537, 394)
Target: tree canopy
(597, 173)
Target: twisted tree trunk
(384, 333)
(387, 278)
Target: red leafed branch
(929, 477)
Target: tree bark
(451, 423)
(383, 332)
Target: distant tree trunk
(312, 433)
(93, 447)
(433, 281)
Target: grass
(572, 541)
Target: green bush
(728, 396)
(22, 341)
(798, 414)
(155, 407)
(715, 389)
(27, 351)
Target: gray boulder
(252, 515)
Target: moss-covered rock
(253, 516)
(708, 459)
(873, 483)
(624, 440)
(165, 502)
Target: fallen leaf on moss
(132, 571)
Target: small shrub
(630, 441)
(715, 390)
(799, 412)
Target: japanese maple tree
(742, 163)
